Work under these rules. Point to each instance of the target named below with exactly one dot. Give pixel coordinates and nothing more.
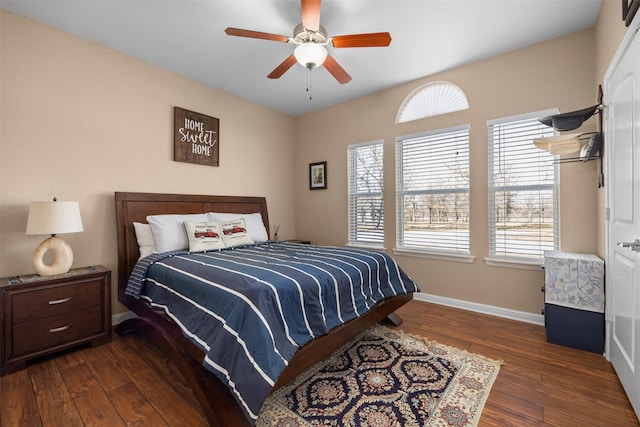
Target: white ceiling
(428, 36)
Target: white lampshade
(54, 218)
(310, 55)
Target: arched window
(432, 99)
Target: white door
(622, 151)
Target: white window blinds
(432, 178)
(523, 189)
(366, 213)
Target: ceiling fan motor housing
(301, 35)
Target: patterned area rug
(386, 378)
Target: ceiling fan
(311, 39)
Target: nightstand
(40, 315)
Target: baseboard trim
(506, 313)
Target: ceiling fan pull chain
(309, 82)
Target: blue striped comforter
(249, 309)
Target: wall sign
(196, 137)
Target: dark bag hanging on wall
(569, 121)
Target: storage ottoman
(574, 300)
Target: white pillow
(204, 236)
(234, 233)
(146, 244)
(254, 224)
(168, 231)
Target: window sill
(441, 256)
(508, 263)
(364, 246)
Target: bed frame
(215, 399)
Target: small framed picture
(318, 176)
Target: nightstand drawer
(49, 332)
(41, 315)
(42, 303)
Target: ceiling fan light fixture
(310, 55)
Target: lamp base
(62, 257)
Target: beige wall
(559, 73)
(80, 121)
(610, 31)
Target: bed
(219, 403)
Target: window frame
(427, 251)
(352, 196)
(517, 261)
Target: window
(523, 189)
(430, 100)
(366, 213)
(433, 191)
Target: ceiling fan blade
(311, 14)
(362, 40)
(282, 68)
(336, 70)
(256, 35)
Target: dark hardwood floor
(129, 383)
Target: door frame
(615, 60)
(623, 48)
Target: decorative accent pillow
(168, 231)
(253, 221)
(234, 233)
(146, 244)
(204, 236)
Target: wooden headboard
(134, 207)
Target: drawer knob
(60, 329)
(59, 301)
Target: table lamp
(53, 218)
